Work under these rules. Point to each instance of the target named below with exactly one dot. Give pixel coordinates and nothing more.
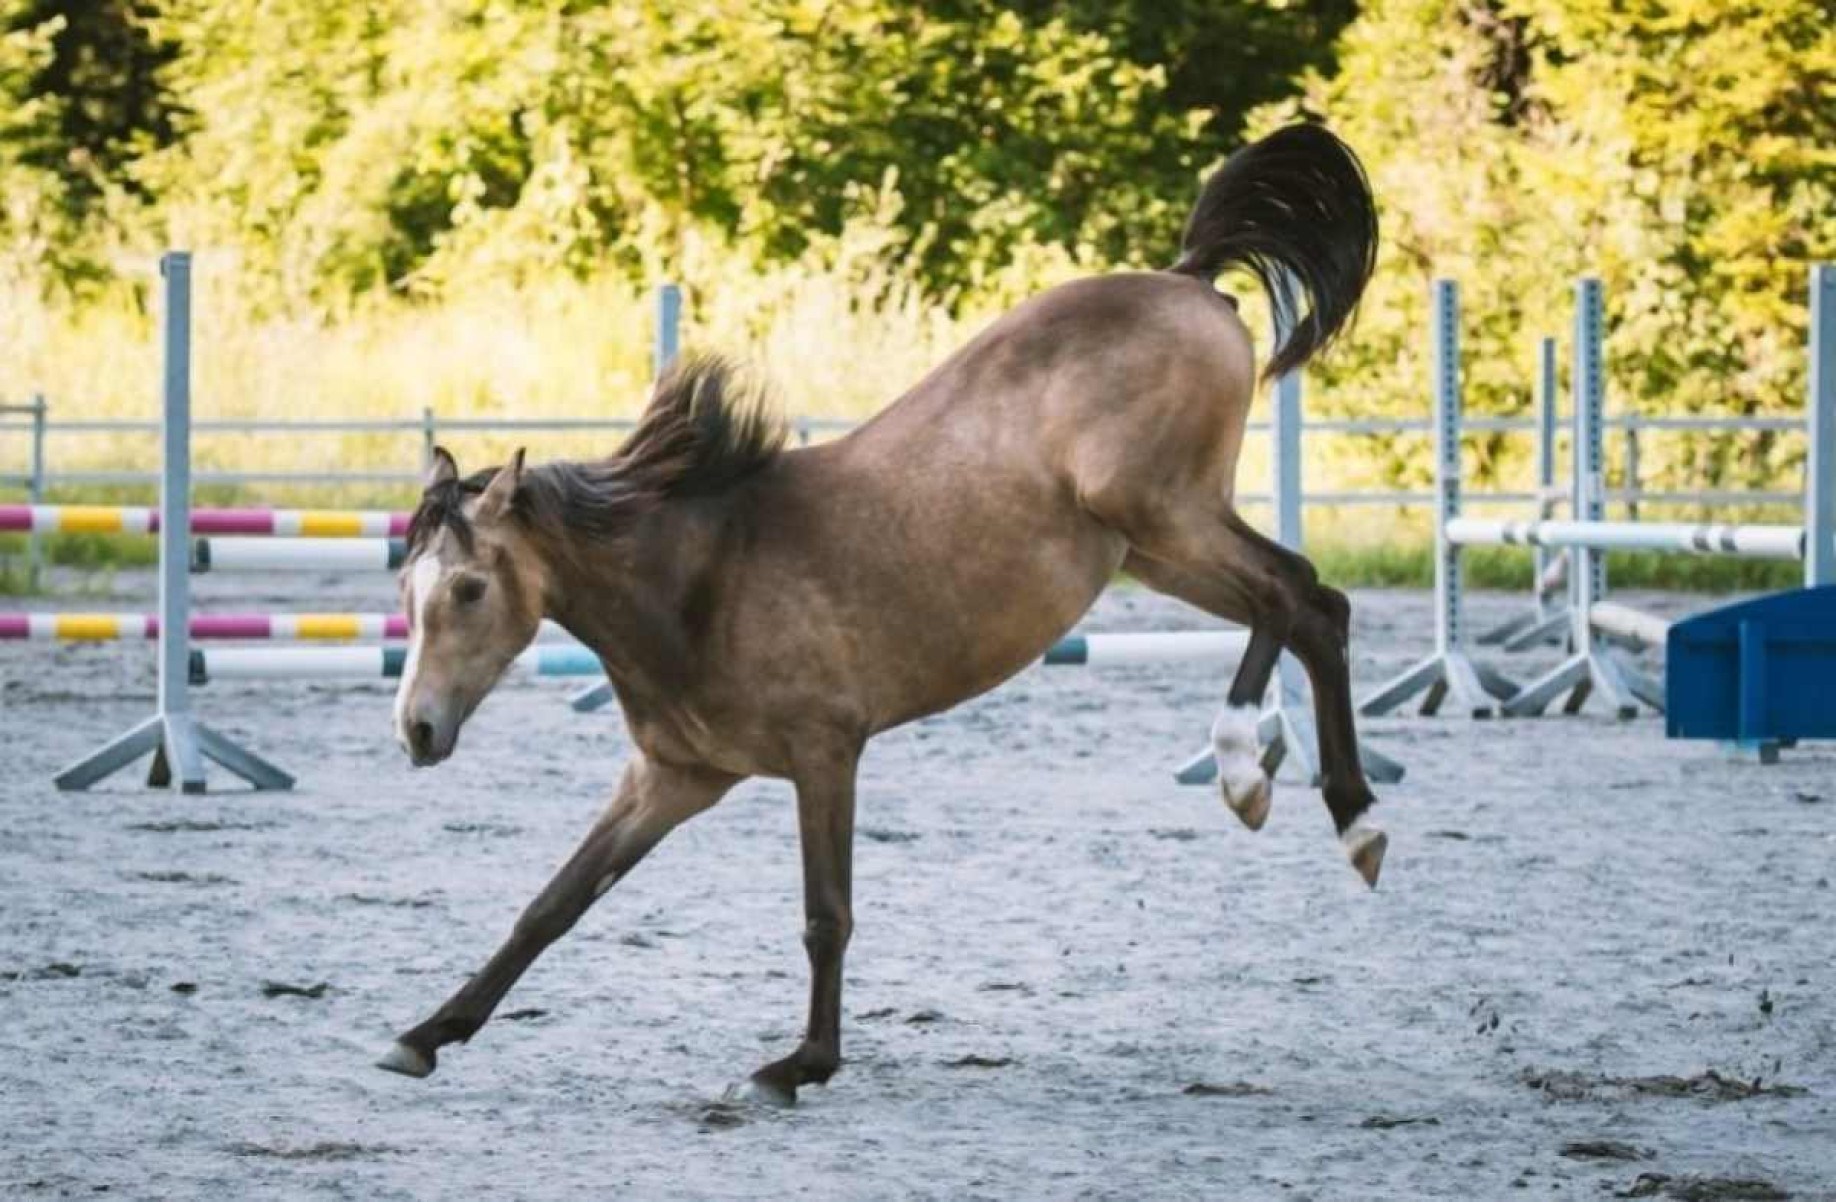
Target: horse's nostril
(420, 737)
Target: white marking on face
(1233, 743)
(422, 579)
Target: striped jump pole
(177, 741)
(114, 627)
(1746, 542)
(107, 627)
(273, 523)
(234, 554)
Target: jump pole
(75, 627)
(137, 519)
(1448, 672)
(573, 659)
(1592, 667)
(179, 743)
(1286, 730)
(237, 554)
(664, 347)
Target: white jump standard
(179, 742)
(1592, 622)
(1448, 673)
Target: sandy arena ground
(1599, 963)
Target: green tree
(100, 87)
(1682, 150)
(367, 145)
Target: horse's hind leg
(1220, 563)
(1243, 775)
(652, 800)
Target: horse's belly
(956, 639)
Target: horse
(764, 612)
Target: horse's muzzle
(428, 743)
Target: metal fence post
(429, 437)
(1632, 472)
(668, 332)
(664, 347)
(1820, 454)
(35, 550)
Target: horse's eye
(468, 590)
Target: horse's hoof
(1240, 776)
(756, 1092)
(1364, 846)
(1252, 804)
(400, 1058)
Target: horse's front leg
(825, 822)
(652, 800)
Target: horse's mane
(705, 429)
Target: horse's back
(1089, 377)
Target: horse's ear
(441, 469)
(502, 490)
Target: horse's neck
(622, 599)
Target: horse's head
(473, 593)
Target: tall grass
(838, 338)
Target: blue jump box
(1762, 672)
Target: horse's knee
(828, 935)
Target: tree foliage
(394, 143)
(1683, 150)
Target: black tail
(1294, 205)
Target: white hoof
(1241, 780)
(1364, 847)
(1251, 804)
(400, 1058)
